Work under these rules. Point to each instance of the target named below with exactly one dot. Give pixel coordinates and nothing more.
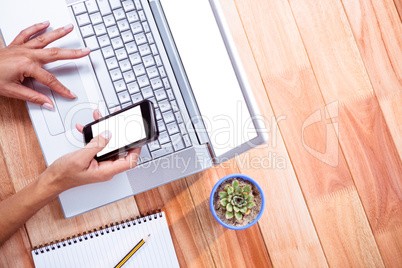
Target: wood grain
(293, 92)
(363, 133)
(398, 5)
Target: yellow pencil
(131, 253)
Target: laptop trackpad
(67, 112)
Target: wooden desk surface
(328, 78)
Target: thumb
(96, 145)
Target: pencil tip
(149, 235)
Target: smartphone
(131, 127)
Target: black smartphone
(131, 127)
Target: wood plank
(290, 235)
(293, 92)
(15, 252)
(398, 5)
(364, 135)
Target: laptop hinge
(179, 72)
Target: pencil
(131, 253)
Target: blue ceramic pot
(211, 201)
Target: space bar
(103, 77)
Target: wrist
(50, 184)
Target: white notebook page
(108, 249)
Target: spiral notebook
(107, 246)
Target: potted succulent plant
(237, 202)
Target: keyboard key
(79, 8)
(136, 27)
(113, 31)
(96, 18)
(177, 142)
(119, 86)
(132, 16)
(104, 7)
(148, 61)
(147, 92)
(145, 25)
(138, 4)
(164, 106)
(166, 82)
(91, 42)
(153, 100)
(103, 78)
(150, 38)
(154, 49)
(140, 39)
(107, 52)
(100, 29)
(135, 59)
(129, 77)
(139, 70)
(116, 74)
(158, 60)
(162, 71)
(156, 83)
(145, 156)
(143, 81)
(179, 118)
(115, 3)
(144, 50)
(117, 43)
(172, 128)
(119, 14)
(163, 137)
(109, 20)
(158, 114)
(124, 105)
(133, 87)
(161, 126)
(187, 140)
(127, 36)
(170, 94)
(91, 6)
(131, 47)
(87, 30)
(136, 97)
(121, 54)
(125, 65)
(183, 129)
(160, 94)
(165, 150)
(168, 117)
(142, 15)
(175, 108)
(104, 41)
(154, 145)
(112, 63)
(152, 72)
(83, 19)
(128, 5)
(124, 97)
(123, 25)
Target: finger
(79, 127)
(54, 54)
(43, 40)
(96, 145)
(51, 81)
(97, 115)
(122, 164)
(21, 92)
(24, 35)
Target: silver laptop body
(178, 54)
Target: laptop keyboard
(129, 67)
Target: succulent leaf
(236, 209)
(229, 207)
(230, 197)
(238, 215)
(247, 188)
(245, 195)
(223, 194)
(235, 184)
(226, 187)
(248, 211)
(224, 202)
(251, 204)
(243, 210)
(250, 198)
(239, 190)
(229, 215)
(230, 190)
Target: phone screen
(126, 127)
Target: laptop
(177, 53)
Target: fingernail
(106, 134)
(48, 106)
(72, 93)
(68, 26)
(46, 22)
(86, 49)
(99, 112)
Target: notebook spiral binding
(102, 230)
